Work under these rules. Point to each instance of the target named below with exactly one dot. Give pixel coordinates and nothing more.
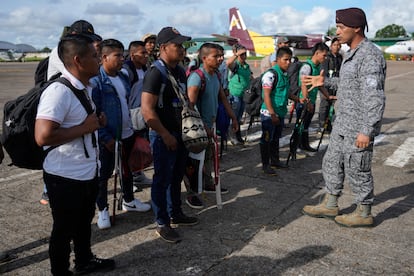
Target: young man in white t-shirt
(55, 65)
(70, 170)
(110, 94)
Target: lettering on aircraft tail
(236, 20)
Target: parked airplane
(401, 48)
(14, 52)
(10, 55)
(224, 41)
(264, 44)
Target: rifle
(326, 123)
(296, 134)
(217, 182)
(292, 109)
(118, 170)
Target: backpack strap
(129, 65)
(81, 96)
(203, 84)
(200, 73)
(163, 70)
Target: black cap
(83, 27)
(170, 34)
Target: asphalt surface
(260, 230)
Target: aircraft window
(409, 48)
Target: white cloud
(41, 24)
(384, 13)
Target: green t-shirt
(240, 80)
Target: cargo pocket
(361, 161)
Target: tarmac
(260, 230)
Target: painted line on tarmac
(402, 154)
(400, 75)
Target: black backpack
(253, 96)
(41, 71)
(40, 76)
(293, 75)
(19, 122)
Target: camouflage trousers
(343, 160)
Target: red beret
(352, 17)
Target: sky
(40, 23)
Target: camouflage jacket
(360, 91)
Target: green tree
(392, 30)
(46, 49)
(331, 31)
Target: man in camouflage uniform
(359, 111)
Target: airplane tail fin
(237, 28)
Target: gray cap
(282, 39)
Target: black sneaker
(95, 264)
(279, 165)
(194, 202)
(168, 234)
(183, 220)
(212, 190)
(269, 171)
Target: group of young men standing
(76, 172)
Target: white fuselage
(401, 48)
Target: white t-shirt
(59, 104)
(127, 130)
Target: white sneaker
(103, 219)
(141, 178)
(135, 205)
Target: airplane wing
(227, 39)
(306, 41)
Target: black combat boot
(264, 153)
(274, 156)
(304, 142)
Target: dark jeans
(107, 167)
(73, 208)
(169, 167)
(271, 132)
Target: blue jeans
(169, 168)
(107, 167)
(237, 104)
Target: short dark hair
(238, 46)
(320, 46)
(206, 48)
(335, 39)
(283, 51)
(135, 44)
(110, 44)
(73, 45)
